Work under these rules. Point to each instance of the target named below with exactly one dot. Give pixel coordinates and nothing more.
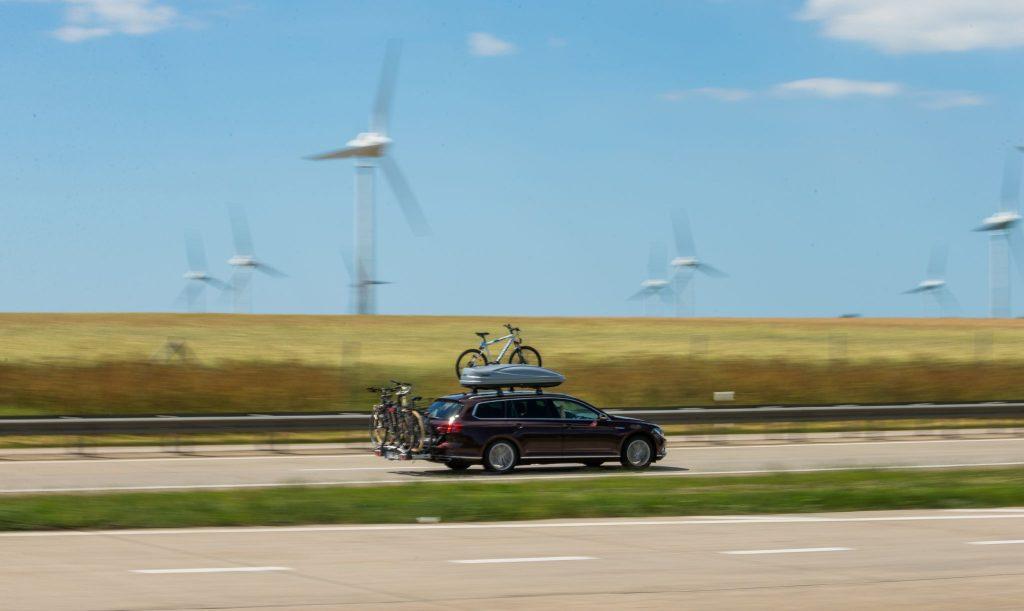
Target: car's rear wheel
(500, 457)
(457, 465)
(638, 453)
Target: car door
(538, 428)
(584, 432)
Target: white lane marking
(996, 509)
(538, 559)
(10, 462)
(842, 443)
(1004, 542)
(683, 446)
(391, 468)
(492, 479)
(938, 517)
(792, 550)
(228, 569)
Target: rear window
(442, 410)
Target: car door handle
(519, 425)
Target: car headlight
(659, 432)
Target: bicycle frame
(513, 340)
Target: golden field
(111, 363)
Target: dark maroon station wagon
(501, 431)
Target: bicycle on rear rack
(478, 357)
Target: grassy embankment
(607, 497)
(101, 364)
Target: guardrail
(281, 423)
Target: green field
(111, 363)
(535, 500)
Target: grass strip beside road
(611, 497)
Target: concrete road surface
(30, 476)
(869, 560)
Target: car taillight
(454, 425)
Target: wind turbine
(244, 262)
(935, 283)
(197, 278)
(369, 149)
(656, 284)
(686, 264)
(1002, 237)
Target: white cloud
(830, 88)
(489, 45)
(839, 88)
(941, 100)
(722, 94)
(917, 26)
(87, 19)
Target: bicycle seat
(482, 334)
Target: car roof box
(509, 376)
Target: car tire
(457, 465)
(500, 457)
(593, 463)
(637, 453)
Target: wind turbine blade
(386, 88)
(1015, 239)
(937, 262)
(656, 261)
(351, 151)
(947, 301)
(349, 267)
(195, 252)
(216, 283)
(184, 296)
(240, 231)
(406, 199)
(641, 294)
(712, 271)
(683, 234)
(916, 289)
(666, 294)
(270, 270)
(1011, 182)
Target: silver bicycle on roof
(514, 347)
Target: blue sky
(820, 147)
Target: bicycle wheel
(525, 355)
(414, 430)
(469, 358)
(378, 427)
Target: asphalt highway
(870, 560)
(171, 473)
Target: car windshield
(442, 409)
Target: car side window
(570, 410)
(534, 408)
(490, 410)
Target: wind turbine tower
(1003, 236)
(369, 149)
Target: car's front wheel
(500, 457)
(638, 453)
